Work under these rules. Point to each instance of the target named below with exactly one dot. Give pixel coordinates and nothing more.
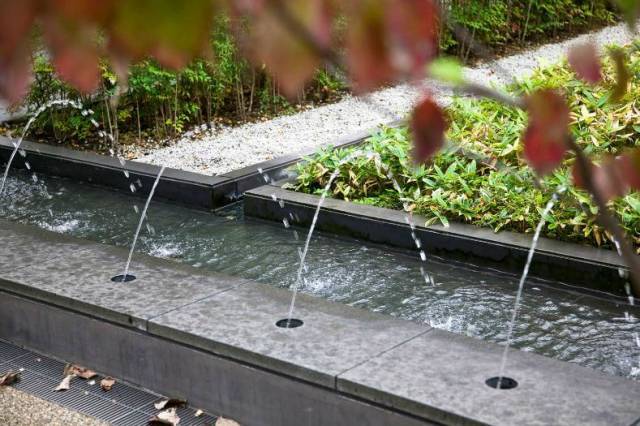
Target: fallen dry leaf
(107, 383)
(167, 417)
(65, 383)
(82, 372)
(226, 422)
(9, 378)
(169, 403)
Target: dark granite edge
(290, 159)
(282, 367)
(91, 309)
(376, 355)
(552, 259)
(279, 366)
(61, 153)
(385, 399)
(185, 187)
(64, 302)
(410, 406)
(471, 232)
(413, 406)
(168, 343)
(146, 323)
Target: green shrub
(498, 23)
(480, 177)
(160, 103)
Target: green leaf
(448, 70)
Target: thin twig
(478, 90)
(606, 218)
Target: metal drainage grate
(10, 352)
(123, 405)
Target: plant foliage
(481, 177)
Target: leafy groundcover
(481, 178)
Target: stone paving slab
(22, 245)
(395, 366)
(442, 376)
(240, 323)
(78, 275)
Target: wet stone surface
(241, 323)
(443, 375)
(467, 300)
(83, 278)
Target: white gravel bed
(230, 148)
(22, 409)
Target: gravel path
(22, 409)
(229, 148)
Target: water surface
(466, 299)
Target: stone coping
(590, 269)
(49, 282)
(188, 188)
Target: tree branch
(478, 90)
(606, 218)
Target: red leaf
(584, 60)
(368, 57)
(289, 57)
(428, 125)
(74, 51)
(413, 34)
(16, 19)
(251, 7)
(79, 67)
(15, 76)
(544, 139)
(629, 166)
(606, 178)
(82, 10)
(387, 39)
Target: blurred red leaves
(385, 40)
(288, 37)
(16, 20)
(390, 39)
(428, 127)
(74, 53)
(584, 60)
(129, 30)
(545, 137)
(614, 176)
(413, 35)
